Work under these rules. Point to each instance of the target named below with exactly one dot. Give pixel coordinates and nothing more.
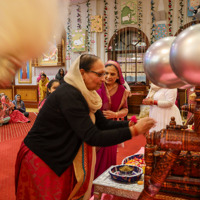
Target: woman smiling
(114, 106)
(57, 157)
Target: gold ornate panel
(27, 94)
(8, 92)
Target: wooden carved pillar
(187, 170)
(149, 160)
(197, 111)
(35, 62)
(159, 175)
(173, 139)
(59, 46)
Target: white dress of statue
(165, 108)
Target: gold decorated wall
(29, 94)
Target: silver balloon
(157, 66)
(185, 55)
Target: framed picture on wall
(192, 5)
(96, 23)
(50, 57)
(129, 12)
(25, 73)
(78, 40)
(54, 56)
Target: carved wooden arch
(186, 26)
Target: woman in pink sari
(15, 115)
(114, 106)
(4, 118)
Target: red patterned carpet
(12, 135)
(14, 130)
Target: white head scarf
(74, 78)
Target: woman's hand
(148, 101)
(133, 120)
(143, 125)
(108, 114)
(131, 123)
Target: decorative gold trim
(159, 196)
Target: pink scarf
(114, 102)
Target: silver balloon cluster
(174, 62)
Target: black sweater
(63, 124)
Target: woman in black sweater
(57, 158)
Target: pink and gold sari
(106, 156)
(15, 115)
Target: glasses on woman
(97, 73)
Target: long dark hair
(49, 85)
(87, 60)
(61, 69)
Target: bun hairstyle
(87, 60)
